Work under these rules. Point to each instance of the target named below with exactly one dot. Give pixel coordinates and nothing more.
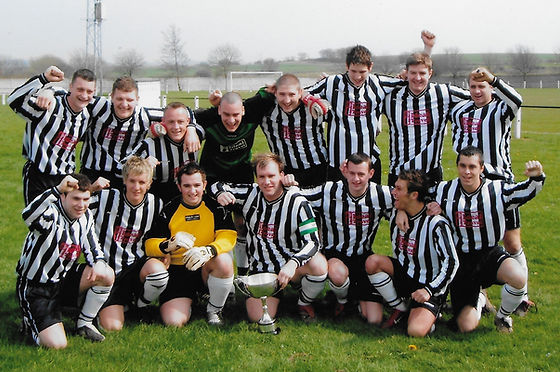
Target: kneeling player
(352, 210)
(122, 218)
(282, 235)
(196, 232)
(60, 229)
(478, 209)
(424, 263)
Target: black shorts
(36, 182)
(314, 176)
(405, 286)
(513, 219)
(93, 175)
(476, 270)
(127, 286)
(182, 283)
(41, 303)
(435, 176)
(360, 287)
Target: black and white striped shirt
(54, 241)
(279, 230)
(121, 226)
(478, 218)
(50, 137)
(489, 129)
(350, 223)
(169, 153)
(110, 139)
(426, 251)
(354, 116)
(296, 137)
(417, 125)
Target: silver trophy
(261, 286)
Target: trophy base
(269, 328)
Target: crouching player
(60, 228)
(352, 210)
(196, 232)
(282, 235)
(122, 219)
(424, 259)
(478, 209)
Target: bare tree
(224, 57)
(173, 53)
(491, 62)
(523, 60)
(78, 59)
(451, 62)
(129, 61)
(302, 56)
(11, 67)
(269, 64)
(386, 64)
(41, 63)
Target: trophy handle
(241, 285)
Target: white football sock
(95, 298)
(311, 287)
(511, 298)
(384, 285)
(153, 286)
(341, 292)
(522, 260)
(219, 289)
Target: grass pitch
(348, 346)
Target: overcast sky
(280, 29)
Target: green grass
(327, 346)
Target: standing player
(122, 220)
(295, 135)
(477, 207)
(424, 259)
(484, 121)
(51, 135)
(352, 210)
(167, 152)
(117, 128)
(356, 100)
(60, 228)
(197, 233)
(282, 235)
(417, 115)
(230, 133)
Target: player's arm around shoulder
(40, 214)
(224, 229)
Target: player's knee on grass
(255, 311)
(53, 337)
(176, 312)
(111, 318)
(338, 272)
(467, 321)
(372, 312)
